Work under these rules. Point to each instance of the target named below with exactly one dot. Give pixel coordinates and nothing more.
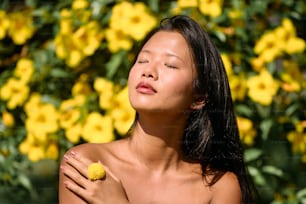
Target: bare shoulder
(103, 152)
(227, 190)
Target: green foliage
(275, 141)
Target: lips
(145, 88)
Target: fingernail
(74, 153)
(62, 168)
(66, 157)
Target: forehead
(168, 41)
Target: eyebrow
(168, 54)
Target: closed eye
(142, 61)
(171, 66)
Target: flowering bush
(64, 66)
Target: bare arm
(74, 187)
(227, 190)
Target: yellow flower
(33, 104)
(98, 128)
(15, 92)
(24, 69)
(292, 78)
(187, 3)
(246, 130)
(70, 112)
(258, 63)
(227, 63)
(95, 171)
(44, 121)
(8, 119)
(82, 88)
(289, 84)
(211, 8)
(79, 4)
(105, 88)
(267, 47)
(88, 38)
(122, 113)
(25, 145)
(238, 87)
(21, 27)
(262, 87)
(140, 22)
(4, 24)
(132, 19)
(73, 133)
(69, 117)
(66, 49)
(235, 14)
(36, 153)
(52, 151)
(295, 45)
(66, 25)
(117, 40)
(298, 141)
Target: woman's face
(161, 80)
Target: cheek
(182, 89)
(131, 76)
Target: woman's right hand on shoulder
(75, 187)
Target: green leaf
(221, 36)
(257, 176)
(301, 194)
(25, 181)
(265, 128)
(244, 110)
(113, 65)
(273, 170)
(153, 4)
(252, 154)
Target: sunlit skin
(148, 167)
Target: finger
(76, 189)
(74, 176)
(80, 158)
(77, 163)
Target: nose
(150, 71)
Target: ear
(197, 105)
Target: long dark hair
(211, 136)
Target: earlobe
(197, 105)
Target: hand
(107, 190)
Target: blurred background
(63, 73)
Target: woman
(184, 145)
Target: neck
(156, 142)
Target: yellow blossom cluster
(116, 104)
(8, 119)
(16, 25)
(129, 21)
(16, 90)
(70, 113)
(246, 130)
(41, 125)
(262, 87)
(275, 43)
(292, 80)
(237, 83)
(75, 41)
(297, 138)
(212, 8)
